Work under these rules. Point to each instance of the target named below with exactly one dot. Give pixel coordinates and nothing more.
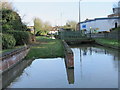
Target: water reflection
(9, 76)
(94, 67)
(69, 63)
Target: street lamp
(79, 16)
(90, 31)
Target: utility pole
(79, 16)
(61, 18)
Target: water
(94, 67)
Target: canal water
(94, 67)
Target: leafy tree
(47, 27)
(12, 21)
(41, 28)
(67, 27)
(38, 25)
(72, 24)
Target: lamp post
(90, 31)
(79, 16)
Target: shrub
(21, 37)
(8, 41)
(11, 20)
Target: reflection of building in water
(114, 53)
(97, 50)
(69, 62)
(101, 50)
(84, 51)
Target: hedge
(21, 37)
(8, 41)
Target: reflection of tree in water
(86, 50)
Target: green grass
(9, 50)
(46, 48)
(108, 42)
(43, 39)
(117, 28)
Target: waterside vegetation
(45, 47)
(108, 42)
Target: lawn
(108, 42)
(46, 47)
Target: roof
(89, 20)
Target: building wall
(100, 24)
(106, 24)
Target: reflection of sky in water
(43, 73)
(93, 68)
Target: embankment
(69, 56)
(10, 59)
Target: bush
(8, 41)
(12, 20)
(21, 37)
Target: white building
(100, 24)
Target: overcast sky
(57, 12)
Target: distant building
(54, 30)
(116, 11)
(30, 29)
(101, 24)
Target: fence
(112, 35)
(68, 35)
(77, 35)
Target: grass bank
(10, 50)
(45, 47)
(108, 42)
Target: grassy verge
(108, 42)
(9, 50)
(117, 28)
(45, 48)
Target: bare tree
(4, 4)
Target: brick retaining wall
(10, 59)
